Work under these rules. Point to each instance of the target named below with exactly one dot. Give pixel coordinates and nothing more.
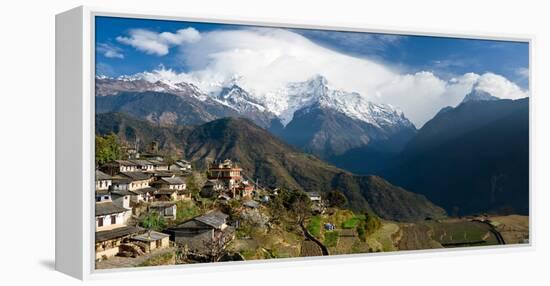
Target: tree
(153, 221)
(372, 223)
(107, 148)
(300, 205)
(217, 246)
(336, 199)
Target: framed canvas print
(185, 141)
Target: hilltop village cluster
(128, 190)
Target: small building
(119, 166)
(212, 188)
(108, 242)
(168, 210)
(138, 180)
(184, 195)
(172, 183)
(159, 165)
(180, 166)
(142, 195)
(144, 165)
(166, 195)
(315, 197)
(251, 204)
(102, 181)
(108, 215)
(226, 172)
(329, 226)
(198, 233)
(153, 240)
(122, 198)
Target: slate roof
(143, 190)
(138, 176)
(117, 233)
(142, 163)
(106, 208)
(161, 204)
(173, 181)
(214, 219)
(122, 193)
(125, 163)
(165, 192)
(153, 236)
(251, 204)
(101, 176)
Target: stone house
(119, 166)
(109, 215)
(166, 209)
(212, 188)
(102, 181)
(152, 240)
(172, 183)
(198, 234)
(180, 166)
(144, 165)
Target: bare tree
(217, 246)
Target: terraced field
(417, 236)
(310, 248)
(462, 233)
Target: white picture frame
(74, 125)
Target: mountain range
(468, 159)
(473, 158)
(283, 112)
(273, 163)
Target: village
(155, 209)
(149, 210)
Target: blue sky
(446, 57)
(417, 74)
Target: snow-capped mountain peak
(282, 102)
(477, 94)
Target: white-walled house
(144, 165)
(181, 166)
(111, 229)
(174, 183)
(109, 215)
(102, 181)
(119, 166)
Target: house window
(99, 221)
(113, 219)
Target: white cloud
(523, 72)
(109, 50)
(264, 60)
(499, 86)
(158, 43)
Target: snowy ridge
(282, 102)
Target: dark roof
(214, 219)
(144, 190)
(116, 233)
(138, 176)
(125, 163)
(141, 162)
(105, 208)
(150, 236)
(161, 204)
(158, 163)
(173, 181)
(121, 193)
(165, 192)
(313, 194)
(251, 204)
(101, 176)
